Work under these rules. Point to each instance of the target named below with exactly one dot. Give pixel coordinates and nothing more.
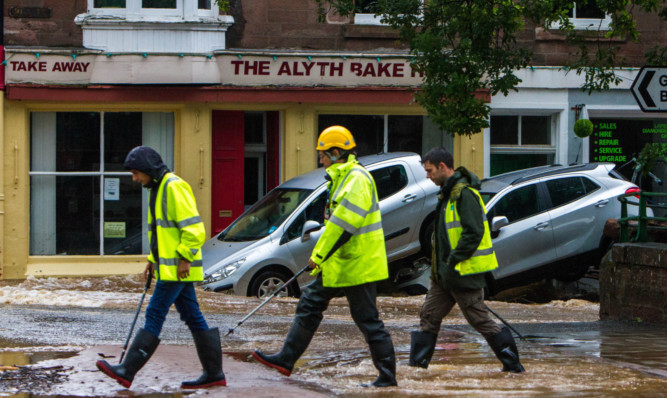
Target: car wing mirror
(498, 222)
(308, 227)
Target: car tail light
(634, 190)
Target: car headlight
(224, 271)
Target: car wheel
(571, 273)
(266, 283)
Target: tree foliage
(467, 46)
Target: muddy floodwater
(53, 329)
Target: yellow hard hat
(335, 136)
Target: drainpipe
(2, 45)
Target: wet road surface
(567, 351)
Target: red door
(228, 163)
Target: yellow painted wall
(192, 161)
(16, 183)
(469, 152)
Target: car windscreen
(265, 216)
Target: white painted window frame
(586, 23)
(552, 148)
(368, 19)
(186, 9)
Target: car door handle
(541, 226)
(602, 203)
(409, 198)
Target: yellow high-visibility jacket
(484, 258)
(180, 230)
(355, 214)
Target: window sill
(93, 20)
(369, 32)
(542, 34)
(72, 266)
(150, 33)
(509, 149)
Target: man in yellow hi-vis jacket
(348, 258)
(462, 254)
(176, 234)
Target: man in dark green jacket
(462, 254)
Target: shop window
(519, 142)
(380, 133)
(82, 200)
(585, 14)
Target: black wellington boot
(142, 348)
(422, 345)
(504, 347)
(295, 345)
(384, 360)
(210, 356)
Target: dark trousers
(440, 301)
(181, 294)
(361, 299)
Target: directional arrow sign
(650, 88)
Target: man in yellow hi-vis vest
(176, 234)
(348, 259)
(462, 253)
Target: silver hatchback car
(262, 248)
(547, 222)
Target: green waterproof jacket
(179, 228)
(351, 249)
(462, 249)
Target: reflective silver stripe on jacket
(353, 230)
(189, 221)
(370, 228)
(358, 210)
(482, 252)
(164, 193)
(343, 224)
(175, 261)
(181, 224)
(453, 224)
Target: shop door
(228, 168)
(246, 161)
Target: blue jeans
(183, 295)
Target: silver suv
(262, 248)
(547, 221)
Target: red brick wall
(292, 24)
(59, 30)
(549, 48)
